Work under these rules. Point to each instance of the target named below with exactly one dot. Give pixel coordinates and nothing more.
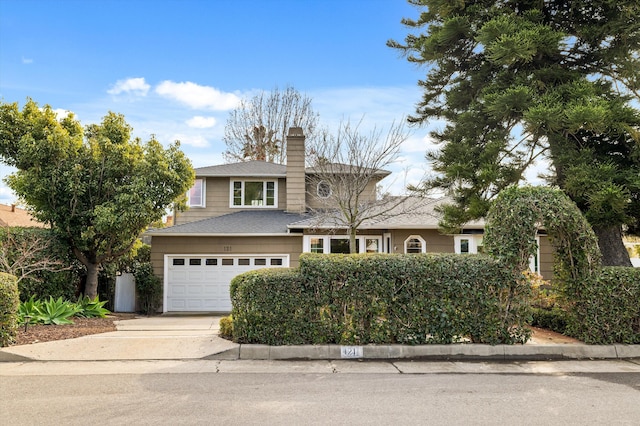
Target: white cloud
(61, 113)
(136, 86)
(27, 61)
(198, 97)
(196, 141)
(200, 122)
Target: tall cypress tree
(522, 81)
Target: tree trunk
(611, 246)
(91, 287)
(352, 241)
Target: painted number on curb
(351, 351)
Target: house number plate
(351, 352)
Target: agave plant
(57, 311)
(91, 308)
(29, 311)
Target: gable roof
(408, 213)
(246, 222)
(339, 168)
(15, 216)
(265, 169)
(246, 168)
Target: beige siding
(314, 202)
(160, 246)
(436, 242)
(218, 192)
(546, 258)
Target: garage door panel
(202, 283)
(177, 290)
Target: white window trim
(475, 241)
(264, 183)
(326, 244)
(203, 195)
(386, 243)
(423, 243)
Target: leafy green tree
(97, 188)
(521, 81)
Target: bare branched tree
(346, 169)
(27, 254)
(257, 128)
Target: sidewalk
(196, 337)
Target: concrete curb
(430, 352)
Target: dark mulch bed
(80, 327)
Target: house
(14, 216)
(254, 214)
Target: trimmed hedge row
(607, 309)
(9, 301)
(360, 299)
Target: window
(372, 245)
(323, 190)
(317, 245)
(178, 262)
(211, 262)
(415, 244)
(196, 195)
(468, 244)
(253, 194)
(464, 246)
(195, 262)
(340, 244)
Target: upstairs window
(196, 195)
(253, 193)
(323, 189)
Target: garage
(200, 283)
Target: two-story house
(254, 214)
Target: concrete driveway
(148, 338)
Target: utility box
(125, 297)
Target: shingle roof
(247, 168)
(406, 213)
(15, 216)
(262, 168)
(259, 222)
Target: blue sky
(176, 68)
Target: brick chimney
(295, 171)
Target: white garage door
(200, 283)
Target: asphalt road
(337, 393)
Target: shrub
(60, 282)
(608, 309)
(89, 308)
(57, 311)
(226, 327)
(357, 299)
(9, 301)
(148, 287)
(554, 319)
(31, 309)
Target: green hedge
(360, 299)
(9, 301)
(608, 309)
